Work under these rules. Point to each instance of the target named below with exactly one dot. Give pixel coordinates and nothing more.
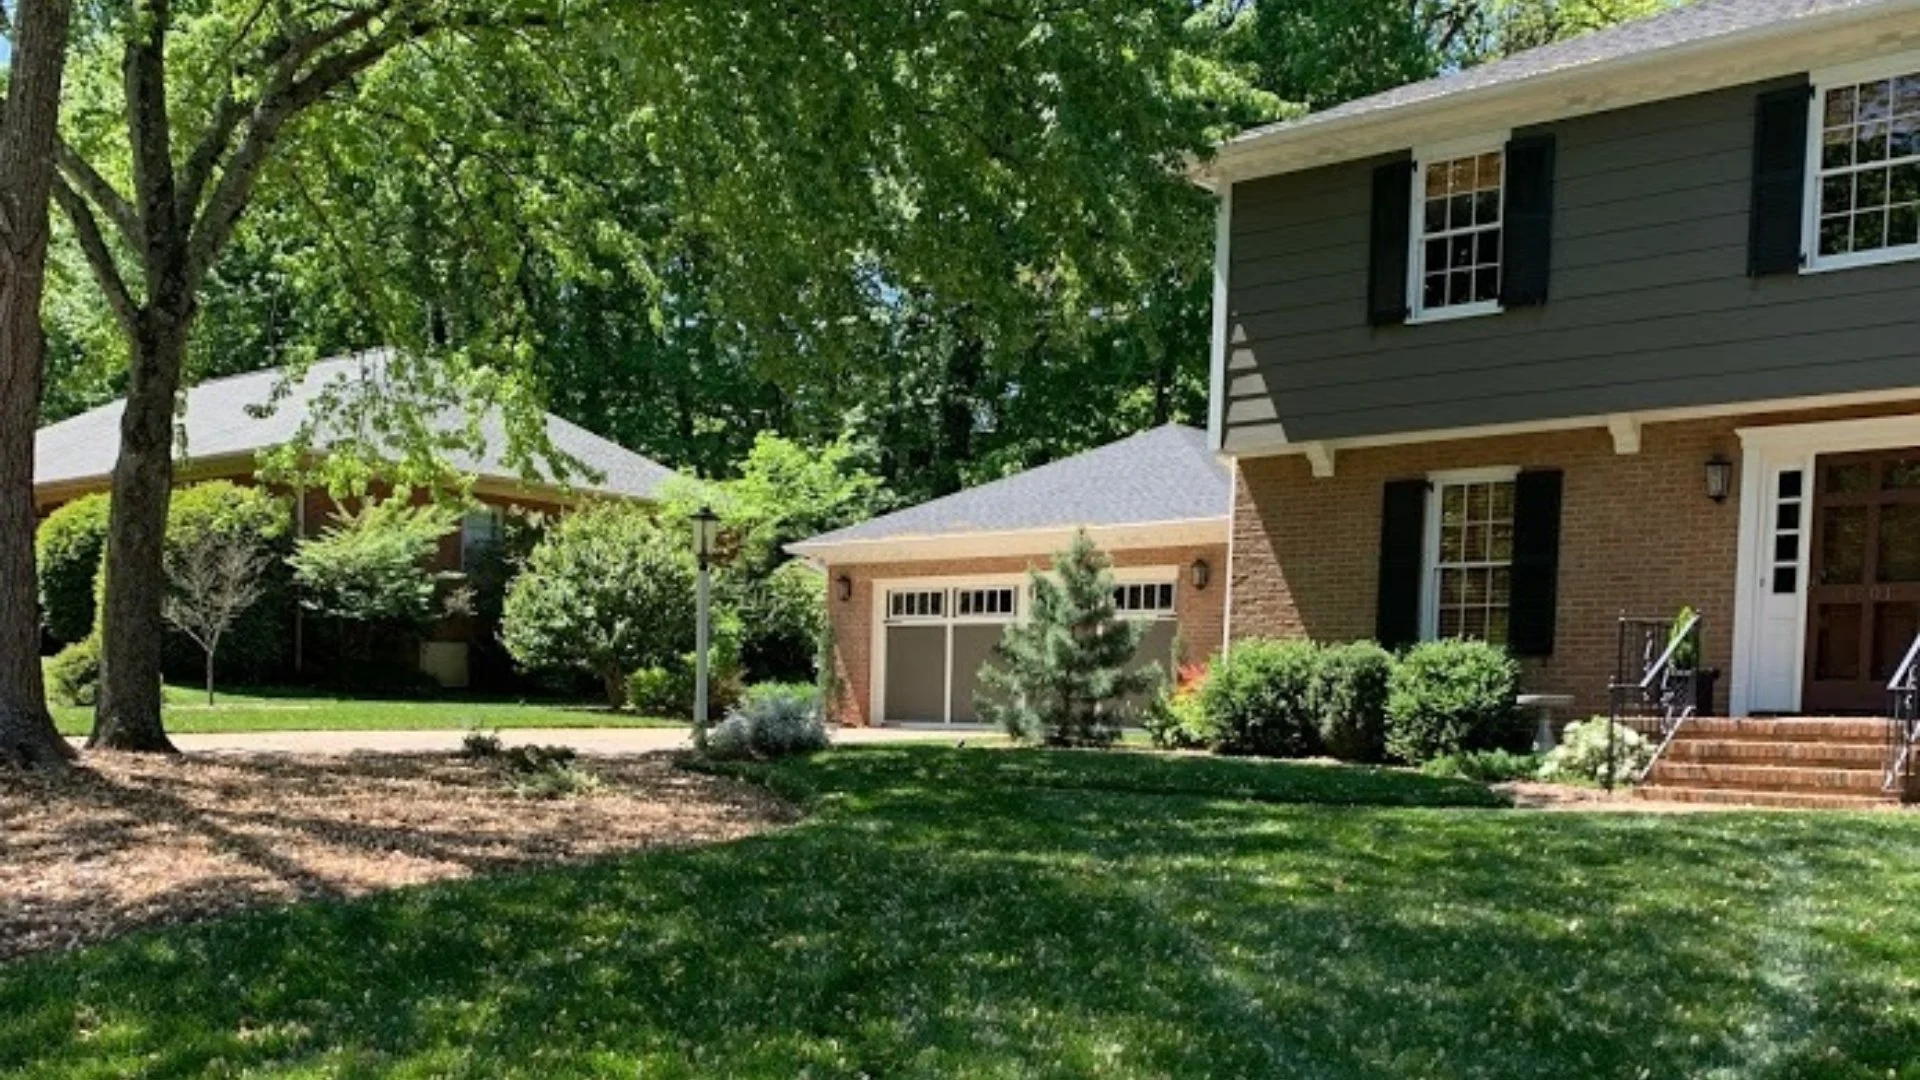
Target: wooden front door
(1863, 599)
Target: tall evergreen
(1065, 674)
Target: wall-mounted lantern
(1200, 573)
(843, 587)
(1719, 478)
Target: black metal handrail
(1903, 715)
(1653, 693)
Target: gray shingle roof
(1163, 475)
(220, 421)
(1687, 25)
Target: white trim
(1192, 532)
(1625, 429)
(1281, 447)
(1819, 82)
(1222, 284)
(1782, 47)
(1762, 450)
(1473, 146)
(1430, 541)
(1320, 458)
(1225, 573)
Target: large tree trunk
(127, 716)
(27, 126)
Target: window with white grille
(976, 603)
(1473, 559)
(1459, 202)
(917, 604)
(1144, 598)
(1866, 182)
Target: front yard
(988, 913)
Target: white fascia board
(1192, 532)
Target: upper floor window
(1865, 194)
(1459, 203)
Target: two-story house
(1620, 324)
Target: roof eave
(1751, 55)
(1037, 541)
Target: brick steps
(1801, 762)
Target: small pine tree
(1066, 673)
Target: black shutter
(1403, 541)
(1779, 181)
(1528, 238)
(1534, 598)
(1392, 217)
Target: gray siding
(1650, 306)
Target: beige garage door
(938, 638)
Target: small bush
(1351, 683)
(481, 746)
(67, 551)
(1259, 700)
(776, 720)
(1484, 766)
(666, 690)
(1176, 720)
(73, 674)
(1447, 697)
(554, 782)
(1581, 757)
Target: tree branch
(87, 180)
(106, 272)
(150, 131)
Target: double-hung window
(1470, 555)
(1864, 195)
(1459, 204)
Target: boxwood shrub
(1350, 697)
(67, 548)
(1260, 700)
(1449, 697)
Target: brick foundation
(1638, 535)
(1200, 612)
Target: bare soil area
(133, 841)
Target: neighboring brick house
(918, 598)
(1609, 327)
(228, 423)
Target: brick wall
(1201, 612)
(1638, 535)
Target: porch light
(1200, 572)
(843, 585)
(1719, 478)
(706, 533)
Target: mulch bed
(133, 841)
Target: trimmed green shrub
(1581, 757)
(1351, 684)
(1260, 700)
(775, 720)
(73, 674)
(666, 690)
(607, 591)
(1452, 696)
(1484, 766)
(782, 618)
(68, 549)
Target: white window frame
(1417, 311)
(1811, 261)
(1430, 547)
(1155, 613)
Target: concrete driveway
(602, 741)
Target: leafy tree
(607, 591)
(1067, 674)
(29, 120)
(783, 618)
(67, 550)
(785, 492)
(212, 579)
(371, 569)
(219, 515)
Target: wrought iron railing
(1656, 685)
(1903, 728)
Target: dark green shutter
(1387, 268)
(1534, 597)
(1527, 242)
(1403, 541)
(1779, 181)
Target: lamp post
(706, 529)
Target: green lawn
(990, 913)
(187, 712)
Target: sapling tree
(1067, 674)
(213, 578)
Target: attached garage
(932, 637)
(918, 599)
